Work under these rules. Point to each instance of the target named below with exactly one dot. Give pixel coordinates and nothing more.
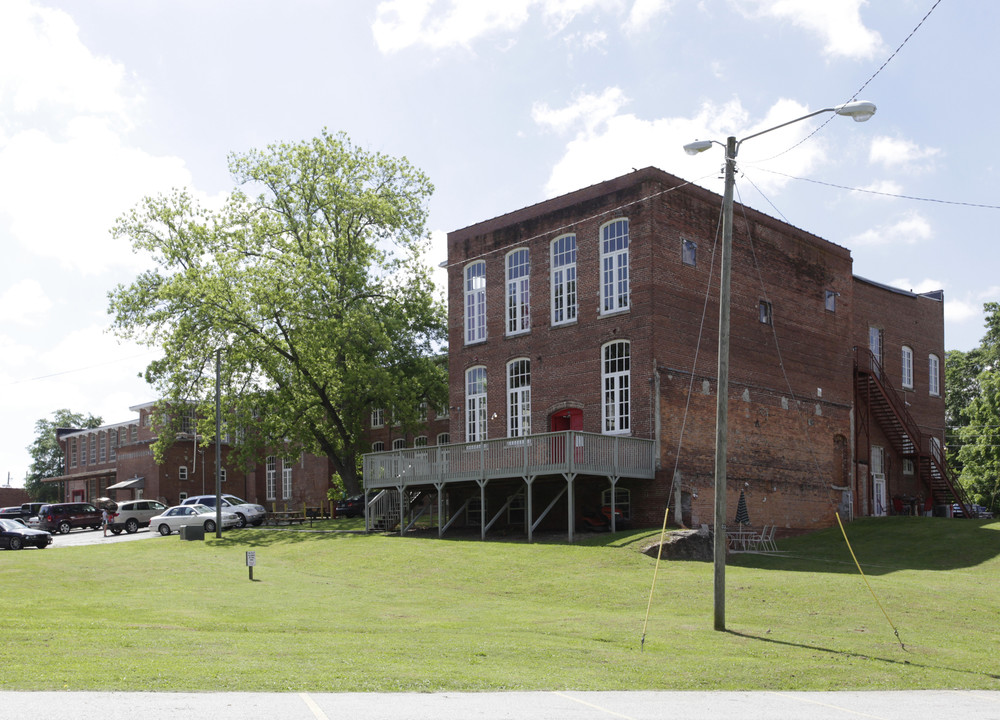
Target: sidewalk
(559, 705)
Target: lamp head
(697, 147)
(860, 110)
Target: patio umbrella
(742, 516)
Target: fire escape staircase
(888, 410)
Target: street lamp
(860, 111)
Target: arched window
(907, 371)
(518, 292)
(475, 302)
(420, 441)
(616, 363)
(933, 375)
(444, 439)
(475, 404)
(399, 444)
(563, 279)
(519, 397)
(378, 446)
(614, 266)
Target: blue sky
(503, 103)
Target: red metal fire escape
(886, 408)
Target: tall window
(93, 449)
(518, 292)
(286, 479)
(907, 371)
(564, 279)
(378, 418)
(113, 445)
(475, 404)
(614, 266)
(616, 362)
(182, 472)
(933, 375)
(875, 343)
(519, 397)
(72, 452)
(475, 302)
(689, 252)
(765, 313)
(270, 472)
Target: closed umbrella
(742, 516)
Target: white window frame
(222, 475)
(399, 444)
(444, 439)
(517, 267)
(933, 375)
(474, 279)
(475, 404)
(615, 290)
(286, 479)
(420, 441)
(378, 418)
(689, 252)
(623, 501)
(906, 367)
(182, 472)
(378, 446)
(616, 405)
(270, 477)
(72, 451)
(519, 397)
(908, 467)
(875, 342)
(563, 303)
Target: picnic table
(277, 517)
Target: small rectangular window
(182, 472)
(765, 312)
(831, 300)
(689, 252)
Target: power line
(885, 194)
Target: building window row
(616, 403)
(906, 374)
(614, 282)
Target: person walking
(104, 520)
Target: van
(63, 517)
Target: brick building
(582, 369)
(117, 461)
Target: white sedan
(174, 517)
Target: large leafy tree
(47, 459)
(972, 406)
(314, 290)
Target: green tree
(961, 383)
(47, 459)
(980, 450)
(316, 291)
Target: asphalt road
(76, 538)
(562, 705)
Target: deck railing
(569, 451)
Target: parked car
(134, 514)
(352, 506)
(11, 512)
(246, 512)
(30, 509)
(63, 517)
(14, 535)
(174, 517)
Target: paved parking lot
(76, 538)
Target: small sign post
(251, 561)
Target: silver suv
(134, 514)
(246, 512)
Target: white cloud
(911, 229)
(883, 188)
(45, 68)
(24, 303)
(400, 24)
(893, 152)
(608, 143)
(642, 12)
(63, 195)
(838, 22)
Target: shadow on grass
(266, 537)
(884, 545)
(860, 656)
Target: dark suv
(63, 517)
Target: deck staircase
(888, 410)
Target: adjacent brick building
(595, 315)
(117, 461)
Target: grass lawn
(348, 612)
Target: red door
(568, 419)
